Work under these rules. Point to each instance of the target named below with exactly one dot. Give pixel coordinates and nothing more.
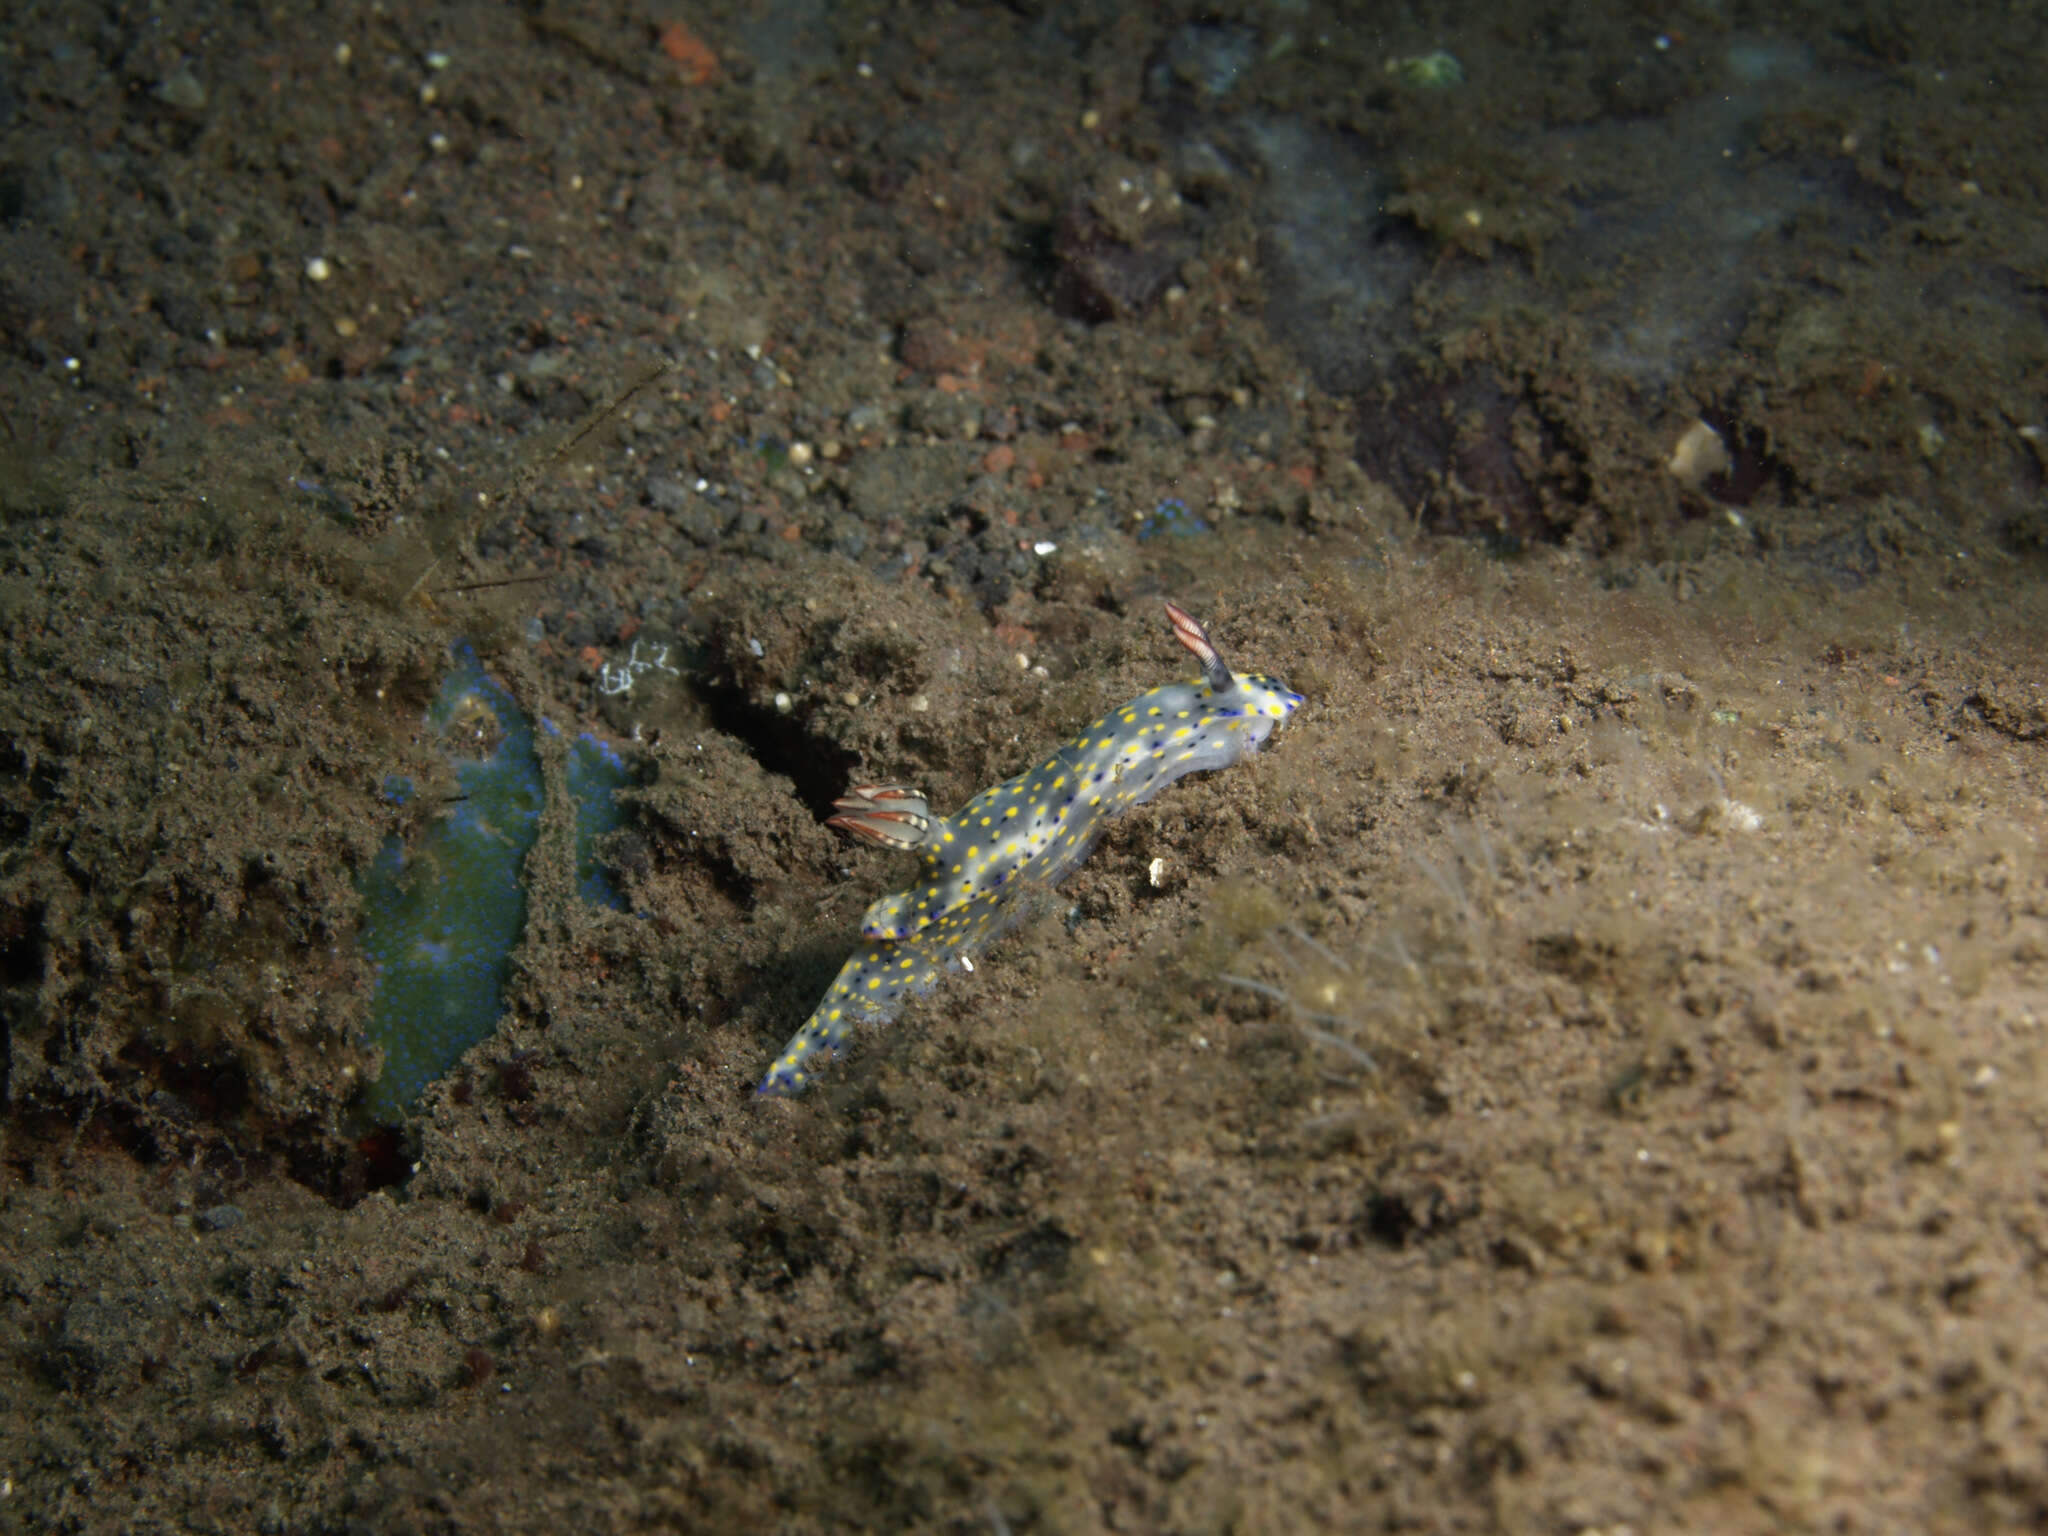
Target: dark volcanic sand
(1671, 841)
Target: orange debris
(694, 60)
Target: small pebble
(218, 1218)
(181, 89)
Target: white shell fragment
(1700, 456)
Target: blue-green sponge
(439, 924)
(595, 773)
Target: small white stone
(318, 270)
(784, 703)
(1740, 817)
(1699, 456)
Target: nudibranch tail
(1027, 833)
(889, 815)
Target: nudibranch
(1028, 832)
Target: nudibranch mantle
(1028, 832)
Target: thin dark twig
(479, 586)
(597, 418)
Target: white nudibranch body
(1027, 832)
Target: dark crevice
(782, 744)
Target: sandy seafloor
(1665, 822)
